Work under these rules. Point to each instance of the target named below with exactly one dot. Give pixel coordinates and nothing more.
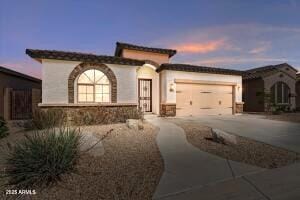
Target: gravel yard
(290, 117)
(130, 168)
(246, 150)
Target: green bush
(45, 119)
(41, 159)
(3, 128)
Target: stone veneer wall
(239, 107)
(88, 115)
(168, 110)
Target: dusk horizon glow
(230, 34)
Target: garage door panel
(222, 100)
(200, 99)
(183, 97)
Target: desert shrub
(44, 119)
(40, 159)
(3, 128)
(140, 114)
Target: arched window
(93, 86)
(280, 93)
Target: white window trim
(94, 92)
(282, 94)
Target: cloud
(231, 37)
(204, 47)
(263, 47)
(237, 60)
(258, 50)
(235, 45)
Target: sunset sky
(220, 33)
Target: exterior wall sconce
(171, 87)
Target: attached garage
(194, 99)
(188, 90)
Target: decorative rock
(223, 137)
(140, 125)
(134, 124)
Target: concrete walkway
(280, 184)
(187, 167)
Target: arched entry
(148, 88)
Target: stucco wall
(168, 77)
(55, 75)
(290, 81)
(140, 55)
(289, 71)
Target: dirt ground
(130, 168)
(246, 150)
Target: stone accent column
(239, 107)
(168, 110)
(7, 103)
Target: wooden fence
(21, 104)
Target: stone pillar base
(168, 110)
(239, 107)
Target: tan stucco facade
(141, 55)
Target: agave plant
(40, 159)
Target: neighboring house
(298, 92)
(136, 76)
(274, 84)
(19, 93)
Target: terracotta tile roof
(18, 74)
(265, 71)
(120, 46)
(194, 68)
(84, 57)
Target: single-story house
(269, 85)
(19, 94)
(136, 77)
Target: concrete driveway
(278, 133)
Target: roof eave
(165, 67)
(38, 55)
(121, 46)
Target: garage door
(200, 99)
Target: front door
(145, 94)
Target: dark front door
(145, 95)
